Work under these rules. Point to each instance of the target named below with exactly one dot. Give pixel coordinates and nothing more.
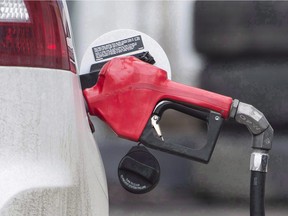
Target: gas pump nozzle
(131, 96)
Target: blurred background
(235, 48)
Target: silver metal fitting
(251, 117)
(233, 108)
(259, 162)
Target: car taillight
(32, 34)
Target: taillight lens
(32, 34)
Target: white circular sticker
(123, 42)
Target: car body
(49, 161)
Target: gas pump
(132, 92)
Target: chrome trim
(259, 162)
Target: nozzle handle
(214, 122)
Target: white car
(49, 161)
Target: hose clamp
(259, 162)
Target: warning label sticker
(118, 48)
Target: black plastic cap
(139, 171)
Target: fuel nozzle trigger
(152, 136)
(154, 122)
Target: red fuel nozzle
(128, 90)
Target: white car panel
(50, 164)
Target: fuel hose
(262, 133)
(257, 193)
(258, 167)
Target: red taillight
(32, 34)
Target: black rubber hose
(257, 193)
